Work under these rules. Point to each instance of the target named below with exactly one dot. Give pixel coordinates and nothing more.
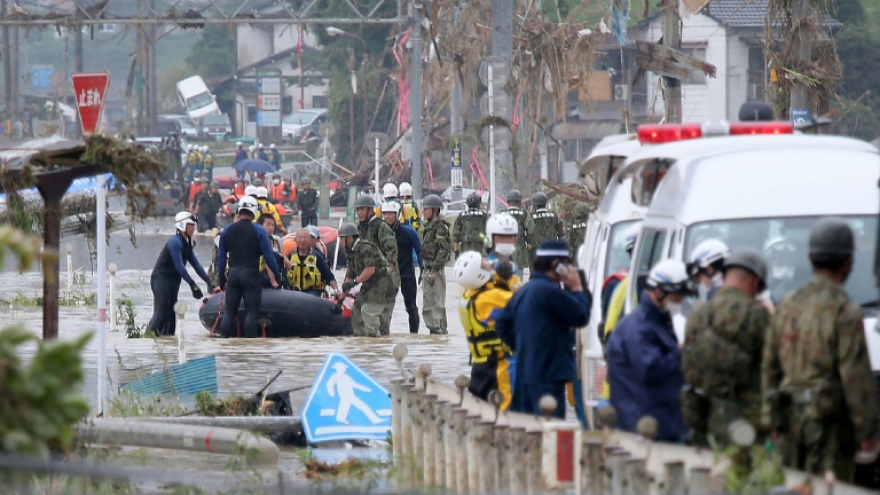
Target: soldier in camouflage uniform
(436, 244)
(577, 228)
(469, 232)
(373, 229)
(526, 226)
(548, 225)
(365, 266)
(819, 392)
(721, 357)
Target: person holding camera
(538, 325)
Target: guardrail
(444, 437)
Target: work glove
(197, 293)
(211, 288)
(347, 286)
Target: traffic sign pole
(491, 70)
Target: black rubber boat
(285, 313)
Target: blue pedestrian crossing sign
(345, 403)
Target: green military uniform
(819, 391)
(721, 361)
(367, 310)
(524, 241)
(576, 231)
(548, 226)
(378, 232)
(469, 232)
(436, 247)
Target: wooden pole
(52, 188)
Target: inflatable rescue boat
(285, 313)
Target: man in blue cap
(538, 324)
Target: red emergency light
(776, 127)
(667, 133)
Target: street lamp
(336, 32)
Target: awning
(593, 131)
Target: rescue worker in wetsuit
(409, 214)
(170, 268)
(267, 208)
(548, 225)
(366, 266)
(208, 203)
(526, 228)
(307, 203)
(308, 270)
(244, 242)
(408, 246)
(485, 296)
(469, 230)
(268, 223)
(373, 229)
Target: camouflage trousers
(366, 319)
(820, 445)
(391, 298)
(478, 246)
(434, 301)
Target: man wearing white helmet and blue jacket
(644, 358)
(170, 269)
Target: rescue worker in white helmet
(644, 358)
(707, 266)
(267, 208)
(409, 215)
(501, 235)
(170, 269)
(483, 300)
(308, 270)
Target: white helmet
(239, 144)
(251, 191)
(405, 189)
(469, 271)
(390, 206)
(671, 276)
(501, 224)
(204, 148)
(252, 147)
(632, 235)
(272, 146)
(707, 253)
(262, 192)
(182, 219)
(250, 204)
(261, 145)
(389, 190)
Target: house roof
(741, 14)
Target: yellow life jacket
(304, 272)
(615, 312)
(193, 158)
(475, 309)
(409, 214)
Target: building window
(756, 74)
(319, 101)
(107, 28)
(698, 52)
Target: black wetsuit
(165, 280)
(244, 242)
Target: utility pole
(502, 46)
(415, 99)
(456, 127)
(7, 62)
(672, 39)
(801, 104)
(152, 79)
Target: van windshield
(300, 118)
(784, 244)
(200, 100)
(617, 258)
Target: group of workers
(797, 374)
(257, 152)
(199, 161)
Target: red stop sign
(90, 89)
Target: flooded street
(243, 365)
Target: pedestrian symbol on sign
(345, 403)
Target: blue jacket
(538, 325)
(408, 242)
(644, 371)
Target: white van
(197, 98)
(759, 191)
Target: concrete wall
(737, 68)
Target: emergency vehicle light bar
(668, 133)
